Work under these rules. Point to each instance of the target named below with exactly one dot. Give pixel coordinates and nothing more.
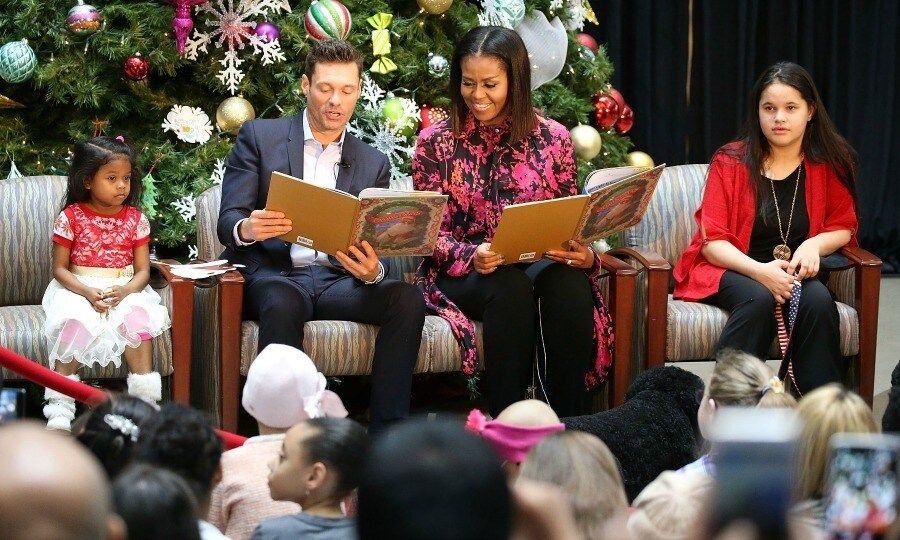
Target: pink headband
(120, 138)
(512, 443)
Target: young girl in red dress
(98, 306)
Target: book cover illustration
(618, 206)
(399, 227)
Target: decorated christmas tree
(179, 77)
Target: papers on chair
(202, 270)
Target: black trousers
(751, 327)
(543, 303)
(284, 303)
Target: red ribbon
(78, 391)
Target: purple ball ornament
(83, 19)
(267, 31)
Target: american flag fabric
(785, 329)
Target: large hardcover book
(394, 222)
(616, 199)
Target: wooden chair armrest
(866, 294)
(623, 281)
(231, 299)
(658, 270)
(860, 257)
(182, 330)
(647, 258)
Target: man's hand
(486, 261)
(364, 264)
(262, 225)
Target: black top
(765, 234)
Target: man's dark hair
(155, 503)
(182, 440)
(433, 481)
(331, 51)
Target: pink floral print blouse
(482, 172)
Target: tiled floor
(888, 349)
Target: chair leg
(622, 292)
(230, 300)
(868, 289)
(182, 325)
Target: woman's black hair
(155, 503)
(506, 46)
(110, 439)
(341, 444)
(821, 141)
(87, 159)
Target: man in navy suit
(287, 284)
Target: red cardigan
(728, 210)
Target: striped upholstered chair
(29, 207)
(227, 345)
(670, 330)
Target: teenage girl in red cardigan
(776, 200)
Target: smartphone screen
(12, 404)
(754, 454)
(863, 476)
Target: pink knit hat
(284, 388)
(511, 442)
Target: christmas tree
(114, 67)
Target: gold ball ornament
(587, 141)
(639, 159)
(232, 113)
(434, 7)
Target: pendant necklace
(782, 251)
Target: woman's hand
(486, 261)
(774, 276)
(579, 256)
(805, 262)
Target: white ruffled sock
(60, 408)
(147, 386)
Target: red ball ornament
(625, 121)
(431, 115)
(136, 67)
(616, 95)
(588, 41)
(606, 111)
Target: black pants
(751, 327)
(508, 302)
(284, 303)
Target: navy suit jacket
(264, 146)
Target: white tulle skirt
(76, 332)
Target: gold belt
(92, 271)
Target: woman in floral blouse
(494, 150)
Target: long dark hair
(821, 141)
(87, 159)
(507, 47)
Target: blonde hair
(588, 474)
(528, 412)
(825, 411)
(742, 380)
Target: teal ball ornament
(17, 61)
